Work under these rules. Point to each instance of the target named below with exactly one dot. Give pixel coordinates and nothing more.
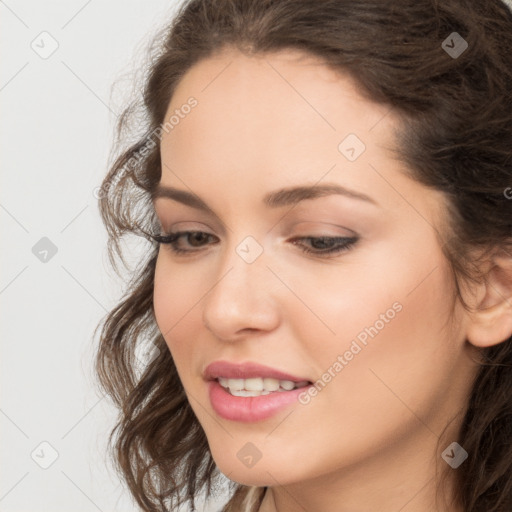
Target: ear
(490, 321)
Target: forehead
(271, 121)
(286, 89)
(285, 103)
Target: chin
(262, 473)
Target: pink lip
(248, 408)
(245, 371)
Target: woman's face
(372, 322)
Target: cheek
(173, 300)
(164, 302)
(383, 311)
(396, 351)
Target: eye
(172, 240)
(323, 245)
(327, 244)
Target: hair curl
(456, 117)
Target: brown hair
(456, 114)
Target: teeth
(287, 384)
(270, 384)
(257, 386)
(244, 392)
(254, 384)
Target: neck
(386, 482)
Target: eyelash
(171, 239)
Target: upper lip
(245, 371)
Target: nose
(241, 300)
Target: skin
(367, 441)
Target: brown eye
(327, 244)
(195, 237)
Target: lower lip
(250, 408)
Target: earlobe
(490, 321)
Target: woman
(326, 191)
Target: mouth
(250, 391)
(259, 386)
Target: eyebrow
(276, 199)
